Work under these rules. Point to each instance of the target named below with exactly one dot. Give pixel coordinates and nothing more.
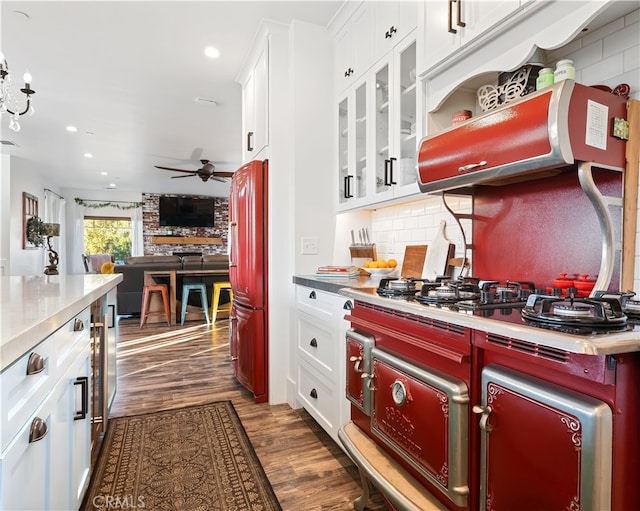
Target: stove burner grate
(586, 312)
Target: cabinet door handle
(347, 187)
(450, 18)
(35, 364)
(78, 325)
(391, 181)
(356, 365)
(389, 33)
(250, 141)
(459, 22)
(348, 72)
(347, 305)
(312, 295)
(83, 381)
(314, 393)
(38, 430)
(314, 343)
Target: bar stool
(146, 300)
(215, 300)
(186, 289)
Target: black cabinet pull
(348, 73)
(391, 181)
(312, 295)
(78, 325)
(450, 18)
(347, 187)
(347, 305)
(83, 381)
(313, 343)
(250, 141)
(314, 393)
(389, 33)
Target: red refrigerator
(248, 332)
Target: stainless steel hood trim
(601, 204)
(560, 154)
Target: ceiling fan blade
(178, 177)
(223, 174)
(175, 170)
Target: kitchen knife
(353, 237)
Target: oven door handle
(484, 411)
(372, 328)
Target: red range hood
(550, 129)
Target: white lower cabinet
(320, 332)
(45, 460)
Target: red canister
(459, 116)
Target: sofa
(129, 291)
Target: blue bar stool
(186, 289)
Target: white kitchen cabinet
(377, 136)
(393, 21)
(447, 25)
(255, 106)
(320, 335)
(48, 453)
(353, 146)
(353, 49)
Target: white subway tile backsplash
(631, 57)
(621, 40)
(605, 69)
(602, 32)
(587, 55)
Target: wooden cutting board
(413, 261)
(437, 258)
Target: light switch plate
(309, 246)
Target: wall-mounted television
(186, 211)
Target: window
(108, 235)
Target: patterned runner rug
(196, 458)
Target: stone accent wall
(151, 227)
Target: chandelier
(7, 97)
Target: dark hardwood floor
(161, 368)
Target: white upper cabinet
(354, 47)
(255, 106)
(392, 22)
(450, 24)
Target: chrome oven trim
(457, 449)
(597, 431)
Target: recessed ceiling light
(103, 173)
(211, 52)
(88, 155)
(72, 129)
(112, 185)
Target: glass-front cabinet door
(353, 147)
(395, 124)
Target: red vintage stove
(504, 394)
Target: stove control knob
(484, 411)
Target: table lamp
(50, 230)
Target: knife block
(362, 253)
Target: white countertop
(33, 307)
(600, 344)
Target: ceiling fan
(208, 171)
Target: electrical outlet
(309, 246)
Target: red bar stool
(146, 299)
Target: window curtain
(75, 245)
(137, 241)
(54, 213)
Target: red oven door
(359, 369)
(534, 432)
(423, 416)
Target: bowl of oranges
(380, 267)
